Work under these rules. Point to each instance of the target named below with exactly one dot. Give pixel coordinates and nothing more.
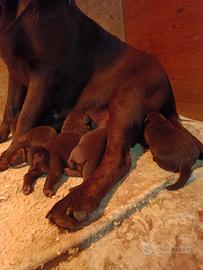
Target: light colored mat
(28, 241)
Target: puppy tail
(185, 173)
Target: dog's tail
(185, 173)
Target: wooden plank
(108, 13)
(173, 30)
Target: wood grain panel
(108, 13)
(173, 30)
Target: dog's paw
(71, 212)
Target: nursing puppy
(36, 136)
(51, 159)
(88, 153)
(172, 148)
(48, 127)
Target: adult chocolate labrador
(58, 57)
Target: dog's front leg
(36, 102)
(125, 117)
(15, 98)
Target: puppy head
(39, 160)
(10, 10)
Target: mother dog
(59, 58)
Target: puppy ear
(38, 155)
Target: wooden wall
(173, 30)
(108, 13)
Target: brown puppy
(51, 159)
(36, 136)
(88, 153)
(172, 148)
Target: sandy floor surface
(140, 226)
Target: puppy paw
(48, 193)
(27, 190)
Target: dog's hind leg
(185, 173)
